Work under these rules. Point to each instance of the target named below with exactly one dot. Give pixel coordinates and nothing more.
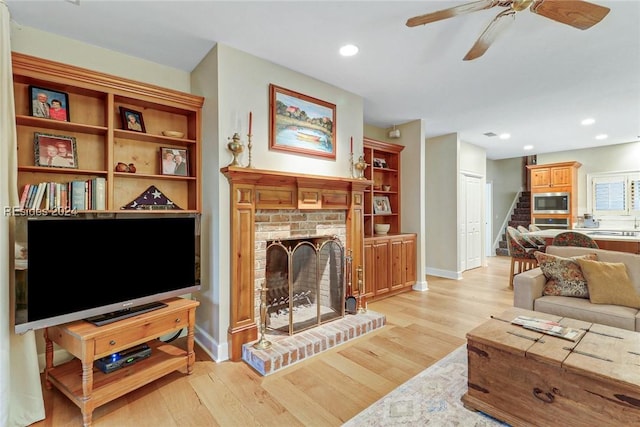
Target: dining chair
(573, 238)
(533, 240)
(521, 252)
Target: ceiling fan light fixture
(577, 14)
(349, 50)
(394, 133)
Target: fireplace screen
(305, 283)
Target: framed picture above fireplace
(301, 124)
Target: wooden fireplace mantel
(253, 189)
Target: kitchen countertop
(594, 233)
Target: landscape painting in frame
(301, 124)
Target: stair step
(521, 220)
(502, 252)
(515, 224)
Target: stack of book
(76, 195)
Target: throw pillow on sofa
(564, 275)
(609, 283)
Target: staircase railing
(503, 228)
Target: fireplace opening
(305, 281)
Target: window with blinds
(616, 194)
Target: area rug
(431, 398)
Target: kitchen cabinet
(619, 245)
(553, 177)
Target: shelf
(106, 387)
(158, 139)
(60, 125)
(136, 175)
(94, 110)
(66, 171)
(386, 154)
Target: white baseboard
(447, 274)
(421, 286)
(218, 352)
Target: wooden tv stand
(88, 343)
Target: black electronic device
(121, 359)
(127, 261)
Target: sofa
(531, 290)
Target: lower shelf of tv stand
(87, 386)
(165, 358)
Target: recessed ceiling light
(504, 136)
(528, 147)
(587, 122)
(348, 50)
(602, 136)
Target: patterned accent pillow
(564, 275)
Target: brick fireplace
(305, 281)
(271, 205)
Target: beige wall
(375, 132)
(442, 205)
(61, 49)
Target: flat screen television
(101, 266)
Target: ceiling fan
(576, 13)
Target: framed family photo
(48, 104)
(381, 205)
(379, 162)
(132, 120)
(173, 161)
(301, 124)
(55, 151)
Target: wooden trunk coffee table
(529, 378)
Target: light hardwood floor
(326, 390)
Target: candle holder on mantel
(236, 147)
(351, 175)
(360, 166)
(249, 146)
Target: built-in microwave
(550, 203)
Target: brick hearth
(287, 350)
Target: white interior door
(473, 221)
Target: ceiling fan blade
(489, 35)
(453, 11)
(577, 13)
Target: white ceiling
(537, 81)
